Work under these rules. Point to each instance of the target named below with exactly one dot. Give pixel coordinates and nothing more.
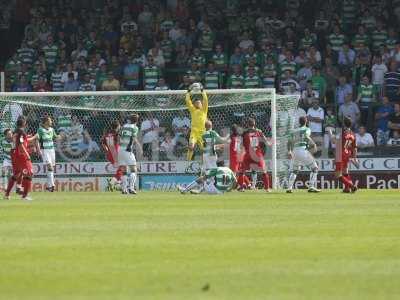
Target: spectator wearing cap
(382, 115)
(364, 140)
(342, 90)
(350, 109)
(392, 82)
(111, 83)
(71, 85)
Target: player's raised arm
(188, 100)
(205, 101)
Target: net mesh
(82, 119)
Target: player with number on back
(211, 143)
(346, 151)
(198, 109)
(110, 145)
(254, 143)
(126, 158)
(300, 140)
(46, 136)
(236, 153)
(215, 181)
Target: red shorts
(342, 165)
(24, 167)
(251, 164)
(235, 165)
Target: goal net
(83, 117)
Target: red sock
(10, 185)
(246, 181)
(241, 180)
(118, 175)
(346, 180)
(27, 185)
(266, 181)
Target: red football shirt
(21, 141)
(253, 142)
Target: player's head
(235, 129)
(208, 125)
(303, 121)
(220, 163)
(115, 125)
(8, 134)
(251, 123)
(21, 122)
(134, 118)
(198, 104)
(47, 122)
(347, 122)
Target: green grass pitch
(165, 246)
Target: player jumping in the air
(346, 151)
(236, 153)
(6, 147)
(300, 140)
(21, 160)
(198, 111)
(254, 143)
(46, 136)
(211, 143)
(109, 143)
(126, 158)
(215, 181)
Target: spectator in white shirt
(395, 140)
(378, 73)
(315, 116)
(350, 109)
(150, 131)
(167, 147)
(364, 140)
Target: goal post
(84, 116)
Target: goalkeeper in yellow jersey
(198, 111)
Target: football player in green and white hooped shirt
(126, 158)
(211, 141)
(216, 181)
(300, 140)
(6, 146)
(46, 135)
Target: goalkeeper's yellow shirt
(199, 116)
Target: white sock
(313, 179)
(254, 180)
(50, 179)
(292, 179)
(191, 186)
(132, 180)
(124, 183)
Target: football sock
(266, 181)
(292, 179)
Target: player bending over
(126, 158)
(198, 111)
(212, 141)
(215, 181)
(346, 151)
(300, 156)
(109, 143)
(21, 160)
(236, 154)
(6, 147)
(46, 136)
(254, 143)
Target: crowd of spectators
(340, 57)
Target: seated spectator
(394, 119)
(212, 77)
(71, 85)
(252, 80)
(180, 127)
(42, 85)
(395, 140)
(237, 57)
(236, 79)
(70, 68)
(111, 83)
(342, 90)
(364, 140)
(167, 147)
(382, 116)
(22, 85)
(161, 85)
(350, 109)
(150, 132)
(87, 85)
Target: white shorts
(209, 161)
(49, 156)
(126, 158)
(303, 158)
(209, 188)
(7, 163)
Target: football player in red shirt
(21, 160)
(346, 151)
(236, 154)
(254, 142)
(110, 145)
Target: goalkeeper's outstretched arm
(188, 100)
(205, 101)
